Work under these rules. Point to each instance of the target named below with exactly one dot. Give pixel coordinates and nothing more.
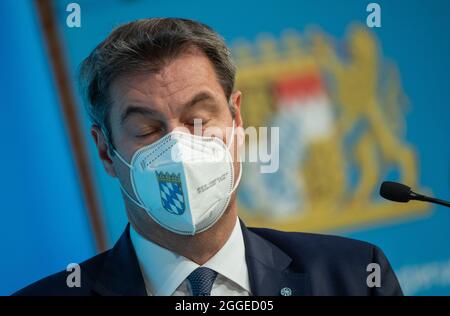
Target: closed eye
(199, 122)
(148, 133)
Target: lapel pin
(286, 291)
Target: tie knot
(201, 280)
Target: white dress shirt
(165, 272)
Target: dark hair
(146, 46)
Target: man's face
(145, 107)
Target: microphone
(399, 192)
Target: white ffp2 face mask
(183, 181)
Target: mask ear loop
(238, 179)
(120, 183)
(236, 183)
(122, 159)
(131, 198)
(114, 150)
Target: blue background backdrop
(44, 224)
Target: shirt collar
(164, 270)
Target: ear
(236, 98)
(103, 149)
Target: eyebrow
(199, 97)
(134, 109)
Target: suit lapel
(268, 268)
(121, 274)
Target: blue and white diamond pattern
(172, 197)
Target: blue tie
(201, 280)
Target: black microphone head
(395, 191)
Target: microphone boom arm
(420, 197)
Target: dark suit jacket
(307, 264)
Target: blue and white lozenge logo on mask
(171, 191)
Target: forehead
(177, 81)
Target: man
(147, 81)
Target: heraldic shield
(171, 191)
